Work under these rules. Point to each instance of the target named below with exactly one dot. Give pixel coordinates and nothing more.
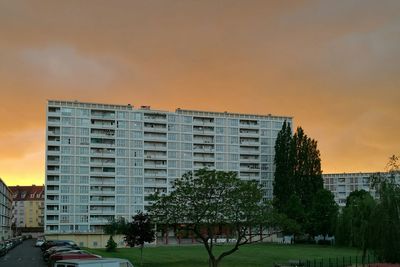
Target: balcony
(155, 117)
(155, 146)
(102, 181)
(155, 174)
(250, 133)
(153, 136)
(203, 130)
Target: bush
(111, 245)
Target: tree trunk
(212, 262)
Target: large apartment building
(5, 211)
(342, 184)
(103, 161)
(28, 206)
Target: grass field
(256, 255)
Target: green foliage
(283, 173)
(385, 237)
(323, 214)
(369, 224)
(111, 245)
(298, 177)
(353, 228)
(139, 231)
(115, 226)
(210, 198)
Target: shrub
(111, 245)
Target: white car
(111, 262)
(39, 242)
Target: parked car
(3, 249)
(51, 243)
(9, 244)
(56, 249)
(39, 242)
(70, 255)
(115, 262)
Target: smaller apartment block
(27, 206)
(342, 184)
(5, 211)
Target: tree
(112, 228)
(307, 174)
(203, 200)
(353, 228)
(323, 214)
(386, 216)
(298, 177)
(139, 231)
(283, 171)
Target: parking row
(7, 245)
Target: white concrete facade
(342, 184)
(5, 211)
(103, 161)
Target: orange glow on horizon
(335, 72)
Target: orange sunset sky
(332, 65)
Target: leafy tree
(386, 217)
(323, 214)
(112, 228)
(139, 231)
(298, 177)
(283, 171)
(307, 174)
(353, 228)
(207, 199)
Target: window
(233, 131)
(172, 118)
(137, 135)
(187, 119)
(137, 190)
(122, 190)
(233, 122)
(122, 181)
(186, 146)
(220, 139)
(173, 127)
(187, 128)
(186, 137)
(219, 130)
(220, 121)
(122, 134)
(172, 164)
(173, 154)
(136, 153)
(173, 136)
(67, 130)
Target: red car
(69, 255)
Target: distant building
(342, 184)
(5, 211)
(28, 206)
(104, 161)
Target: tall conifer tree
(283, 185)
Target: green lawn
(251, 255)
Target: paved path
(23, 255)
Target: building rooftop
(178, 110)
(27, 193)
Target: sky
(332, 65)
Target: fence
(346, 261)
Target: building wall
(5, 211)
(28, 206)
(103, 161)
(342, 184)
